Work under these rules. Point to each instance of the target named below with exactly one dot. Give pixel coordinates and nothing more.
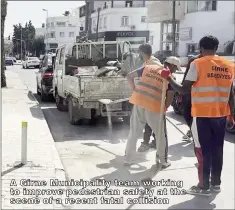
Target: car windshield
(33, 58)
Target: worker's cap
(175, 61)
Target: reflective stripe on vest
(210, 93)
(210, 89)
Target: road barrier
(24, 127)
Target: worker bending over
(209, 80)
(146, 99)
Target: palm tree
(3, 16)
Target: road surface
(89, 152)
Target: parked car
(44, 77)
(31, 62)
(9, 61)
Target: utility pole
(87, 18)
(45, 10)
(173, 29)
(97, 26)
(21, 43)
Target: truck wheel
(60, 103)
(72, 119)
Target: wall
(219, 23)
(70, 26)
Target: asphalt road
(90, 151)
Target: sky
(23, 11)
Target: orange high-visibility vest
(210, 93)
(148, 91)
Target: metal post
(97, 25)
(24, 127)
(87, 17)
(173, 29)
(21, 44)
(46, 30)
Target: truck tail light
(47, 75)
(75, 71)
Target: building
(195, 19)
(59, 30)
(120, 20)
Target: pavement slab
(43, 159)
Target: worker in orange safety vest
(146, 98)
(209, 79)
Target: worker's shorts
(139, 118)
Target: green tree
(3, 17)
(38, 46)
(28, 35)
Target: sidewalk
(43, 160)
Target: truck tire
(72, 119)
(60, 103)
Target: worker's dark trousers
(147, 134)
(187, 109)
(208, 136)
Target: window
(100, 23)
(194, 6)
(143, 19)
(125, 21)
(52, 34)
(52, 24)
(105, 5)
(62, 55)
(166, 36)
(61, 34)
(105, 22)
(129, 4)
(71, 34)
(61, 24)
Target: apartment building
(59, 30)
(120, 20)
(195, 19)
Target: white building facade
(122, 20)
(195, 19)
(60, 30)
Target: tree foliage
(39, 46)
(3, 17)
(28, 36)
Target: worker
(210, 80)
(146, 99)
(145, 145)
(145, 54)
(187, 101)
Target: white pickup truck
(79, 85)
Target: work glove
(231, 121)
(165, 73)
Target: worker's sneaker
(143, 147)
(166, 164)
(196, 190)
(215, 188)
